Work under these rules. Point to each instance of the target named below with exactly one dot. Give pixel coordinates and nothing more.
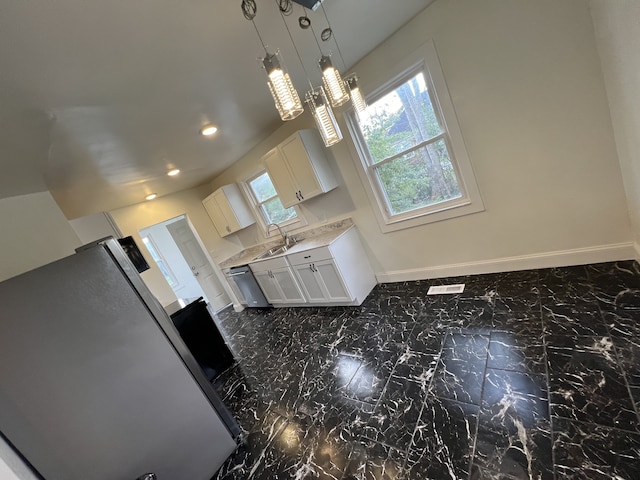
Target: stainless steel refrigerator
(95, 382)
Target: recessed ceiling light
(174, 172)
(208, 130)
(151, 196)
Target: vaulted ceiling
(98, 100)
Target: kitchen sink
(277, 250)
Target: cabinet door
(291, 291)
(269, 287)
(311, 284)
(332, 280)
(281, 178)
(303, 173)
(216, 215)
(227, 211)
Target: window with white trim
(412, 152)
(266, 201)
(160, 261)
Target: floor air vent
(445, 289)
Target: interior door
(90, 387)
(199, 263)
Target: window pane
(276, 213)
(262, 187)
(400, 120)
(419, 179)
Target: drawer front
(310, 256)
(269, 264)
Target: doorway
(178, 253)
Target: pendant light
(351, 81)
(323, 115)
(284, 95)
(333, 83)
(316, 98)
(357, 100)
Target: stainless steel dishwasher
(247, 284)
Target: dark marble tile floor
(525, 375)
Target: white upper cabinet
(299, 169)
(228, 210)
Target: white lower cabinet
(322, 283)
(336, 274)
(277, 282)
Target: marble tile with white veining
(623, 323)
(442, 445)
(397, 412)
(586, 382)
(628, 350)
(508, 351)
(514, 430)
(374, 461)
(518, 323)
(593, 452)
(573, 320)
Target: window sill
(446, 213)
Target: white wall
(94, 227)
(34, 233)
(617, 26)
(527, 86)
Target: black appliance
(202, 337)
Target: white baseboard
(562, 258)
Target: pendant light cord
(259, 36)
(344, 65)
(282, 13)
(249, 10)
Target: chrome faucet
(285, 238)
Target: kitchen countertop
(313, 238)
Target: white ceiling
(98, 99)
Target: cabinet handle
(228, 229)
(301, 196)
(297, 196)
(307, 256)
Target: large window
(409, 153)
(267, 202)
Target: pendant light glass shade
(323, 115)
(284, 95)
(333, 83)
(357, 100)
